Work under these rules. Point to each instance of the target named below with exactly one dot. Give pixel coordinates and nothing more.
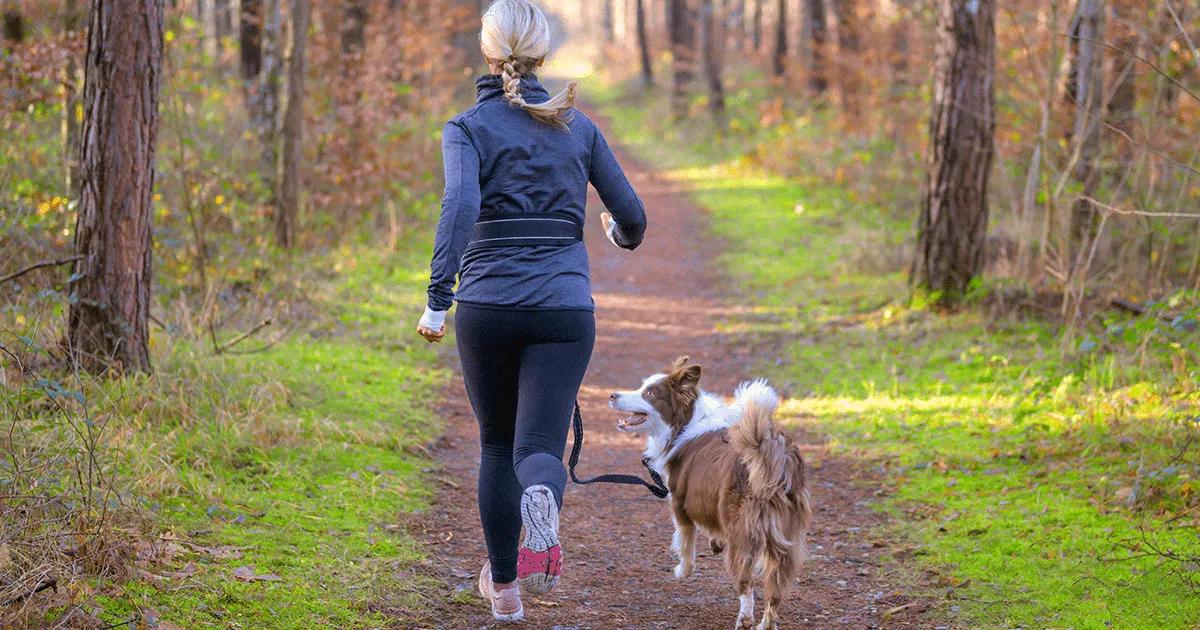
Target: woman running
(517, 167)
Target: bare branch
(38, 265)
(1141, 213)
(1140, 58)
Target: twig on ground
(266, 346)
(222, 348)
(41, 586)
(1129, 306)
(38, 265)
(892, 612)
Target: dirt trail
(652, 305)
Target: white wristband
(433, 320)
(612, 233)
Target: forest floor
(664, 300)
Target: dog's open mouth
(634, 419)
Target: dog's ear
(688, 376)
(680, 362)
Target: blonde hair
(515, 38)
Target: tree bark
(713, 38)
(812, 33)
(644, 44)
(953, 222)
(354, 28)
(110, 301)
(250, 42)
(737, 21)
(223, 17)
(72, 19)
(1125, 73)
(756, 26)
(840, 22)
(14, 23)
(206, 15)
(779, 55)
(608, 21)
(1087, 91)
(898, 38)
(683, 53)
(265, 115)
(287, 215)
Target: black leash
(658, 488)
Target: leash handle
(658, 488)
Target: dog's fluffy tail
(777, 510)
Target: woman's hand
(432, 325)
(607, 220)
(431, 335)
(610, 227)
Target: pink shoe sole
(539, 561)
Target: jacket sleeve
(618, 196)
(460, 210)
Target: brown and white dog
(730, 474)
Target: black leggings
(523, 370)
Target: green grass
(299, 461)
(1022, 475)
(315, 491)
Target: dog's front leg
(683, 544)
(745, 618)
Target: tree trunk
(1088, 94)
(779, 55)
(1125, 73)
(110, 302)
(953, 222)
(14, 23)
(72, 18)
(898, 28)
(840, 21)
(683, 53)
(756, 26)
(265, 117)
(354, 28)
(250, 43)
(206, 14)
(223, 17)
(608, 21)
(354, 43)
(713, 39)
(737, 21)
(287, 215)
(812, 33)
(644, 44)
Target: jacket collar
(490, 86)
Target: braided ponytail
(516, 38)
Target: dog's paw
(767, 624)
(683, 570)
(744, 622)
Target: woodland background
(980, 217)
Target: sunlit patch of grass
(1023, 475)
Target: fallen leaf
(247, 574)
(222, 551)
(187, 571)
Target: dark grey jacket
(499, 159)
